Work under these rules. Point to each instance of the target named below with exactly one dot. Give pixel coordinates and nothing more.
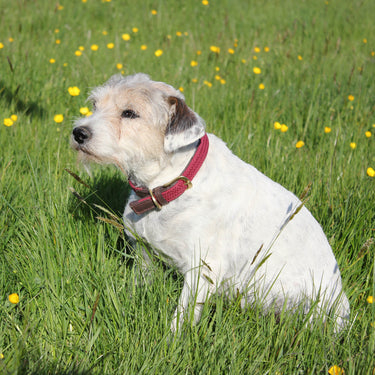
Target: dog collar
(162, 195)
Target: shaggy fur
(235, 229)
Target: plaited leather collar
(162, 195)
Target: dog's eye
(128, 113)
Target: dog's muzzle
(81, 134)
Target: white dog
(220, 221)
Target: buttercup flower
(143, 47)
(110, 45)
(154, 12)
(181, 89)
(81, 48)
(78, 53)
(370, 299)
(14, 118)
(194, 80)
(14, 298)
(94, 47)
(368, 134)
(52, 61)
(353, 145)
(158, 52)
(336, 370)
(178, 33)
(327, 129)
(1, 45)
(215, 49)
(8, 122)
(300, 144)
(74, 91)
(284, 129)
(119, 66)
(223, 81)
(256, 49)
(266, 49)
(125, 37)
(205, 2)
(207, 83)
(350, 98)
(371, 173)
(300, 58)
(194, 63)
(231, 51)
(277, 125)
(261, 86)
(135, 30)
(84, 110)
(57, 41)
(58, 118)
(257, 70)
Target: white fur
(234, 230)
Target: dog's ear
(184, 127)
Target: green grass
(80, 311)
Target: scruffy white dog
(220, 221)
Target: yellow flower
(105, 32)
(335, 370)
(58, 118)
(84, 110)
(143, 47)
(371, 173)
(257, 70)
(14, 118)
(351, 98)
(284, 129)
(74, 91)
(266, 49)
(217, 68)
(277, 125)
(364, 40)
(368, 134)
(205, 2)
(8, 122)
(125, 37)
(199, 52)
(78, 53)
(179, 33)
(261, 86)
(110, 45)
(158, 52)
(194, 63)
(231, 51)
(255, 57)
(207, 83)
(243, 61)
(300, 58)
(353, 145)
(327, 129)
(223, 81)
(119, 66)
(11, 40)
(58, 41)
(370, 299)
(60, 7)
(1, 356)
(135, 30)
(52, 61)
(194, 80)
(256, 49)
(14, 298)
(300, 144)
(94, 47)
(215, 49)
(1, 45)
(217, 77)
(154, 12)
(181, 89)
(57, 31)
(65, 64)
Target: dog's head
(135, 121)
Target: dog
(224, 225)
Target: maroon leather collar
(162, 195)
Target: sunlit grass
(289, 86)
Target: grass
(80, 311)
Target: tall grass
(80, 310)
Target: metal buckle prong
(183, 178)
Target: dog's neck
(158, 172)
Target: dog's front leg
(194, 291)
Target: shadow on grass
(30, 108)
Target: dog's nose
(81, 134)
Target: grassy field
(242, 65)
